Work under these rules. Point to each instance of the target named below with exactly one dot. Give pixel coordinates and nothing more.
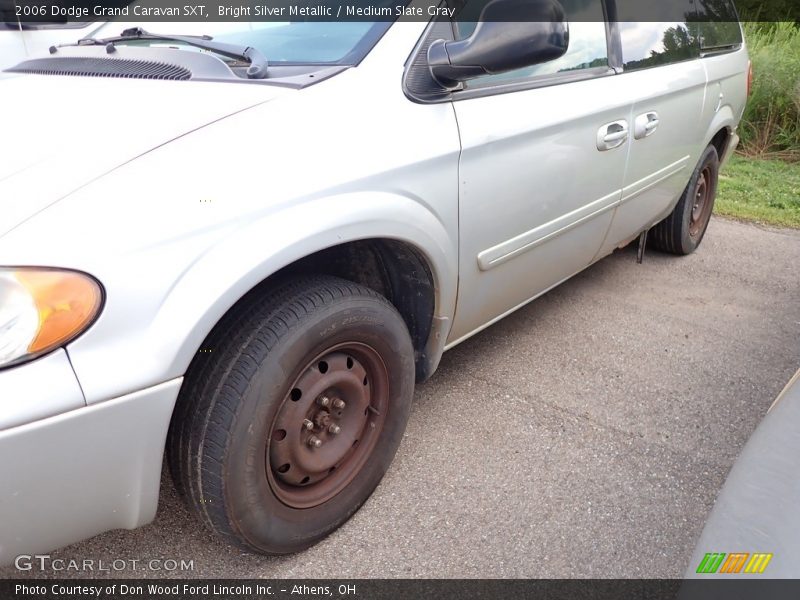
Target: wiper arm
(258, 62)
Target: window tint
(647, 45)
(718, 23)
(588, 47)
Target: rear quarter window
(688, 28)
(718, 25)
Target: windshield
(290, 42)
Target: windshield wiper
(258, 62)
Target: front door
(543, 156)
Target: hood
(60, 133)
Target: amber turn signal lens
(67, 302)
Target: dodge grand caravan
(244, 248)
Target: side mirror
(510, 34)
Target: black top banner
(30, 13)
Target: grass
(771, 123)
(765, 191)
(765, 186)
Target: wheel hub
(702, 205)
(327, 426)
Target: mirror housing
(510, 34)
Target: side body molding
(497, 255)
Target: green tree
(768, 10)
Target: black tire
(683, 230)
(223, 437)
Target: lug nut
(308, 424)
(338, 403)
(323, 401)
(334, 429)
(314, 441)
(321, 419)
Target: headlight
(43, 309)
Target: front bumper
(35, 390)
(76, 474)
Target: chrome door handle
(612, 135)
(645, 125)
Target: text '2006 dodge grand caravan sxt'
(244, 249)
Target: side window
(718, 24)
(588, 46)
(646, 45)
(668, 34)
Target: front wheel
(683, 230)
(292, 422)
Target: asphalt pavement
(586, 435)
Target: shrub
(771, 122)
(771, 10)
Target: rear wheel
(287, 430)
(683, 230)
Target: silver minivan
(243, 249)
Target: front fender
(159, 347)
(179, 234)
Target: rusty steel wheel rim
(327, 425)
(701, 206)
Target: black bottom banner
(392, 589)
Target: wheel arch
(397, 270)
(721, 130)
(720, 141)
(395, 246)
